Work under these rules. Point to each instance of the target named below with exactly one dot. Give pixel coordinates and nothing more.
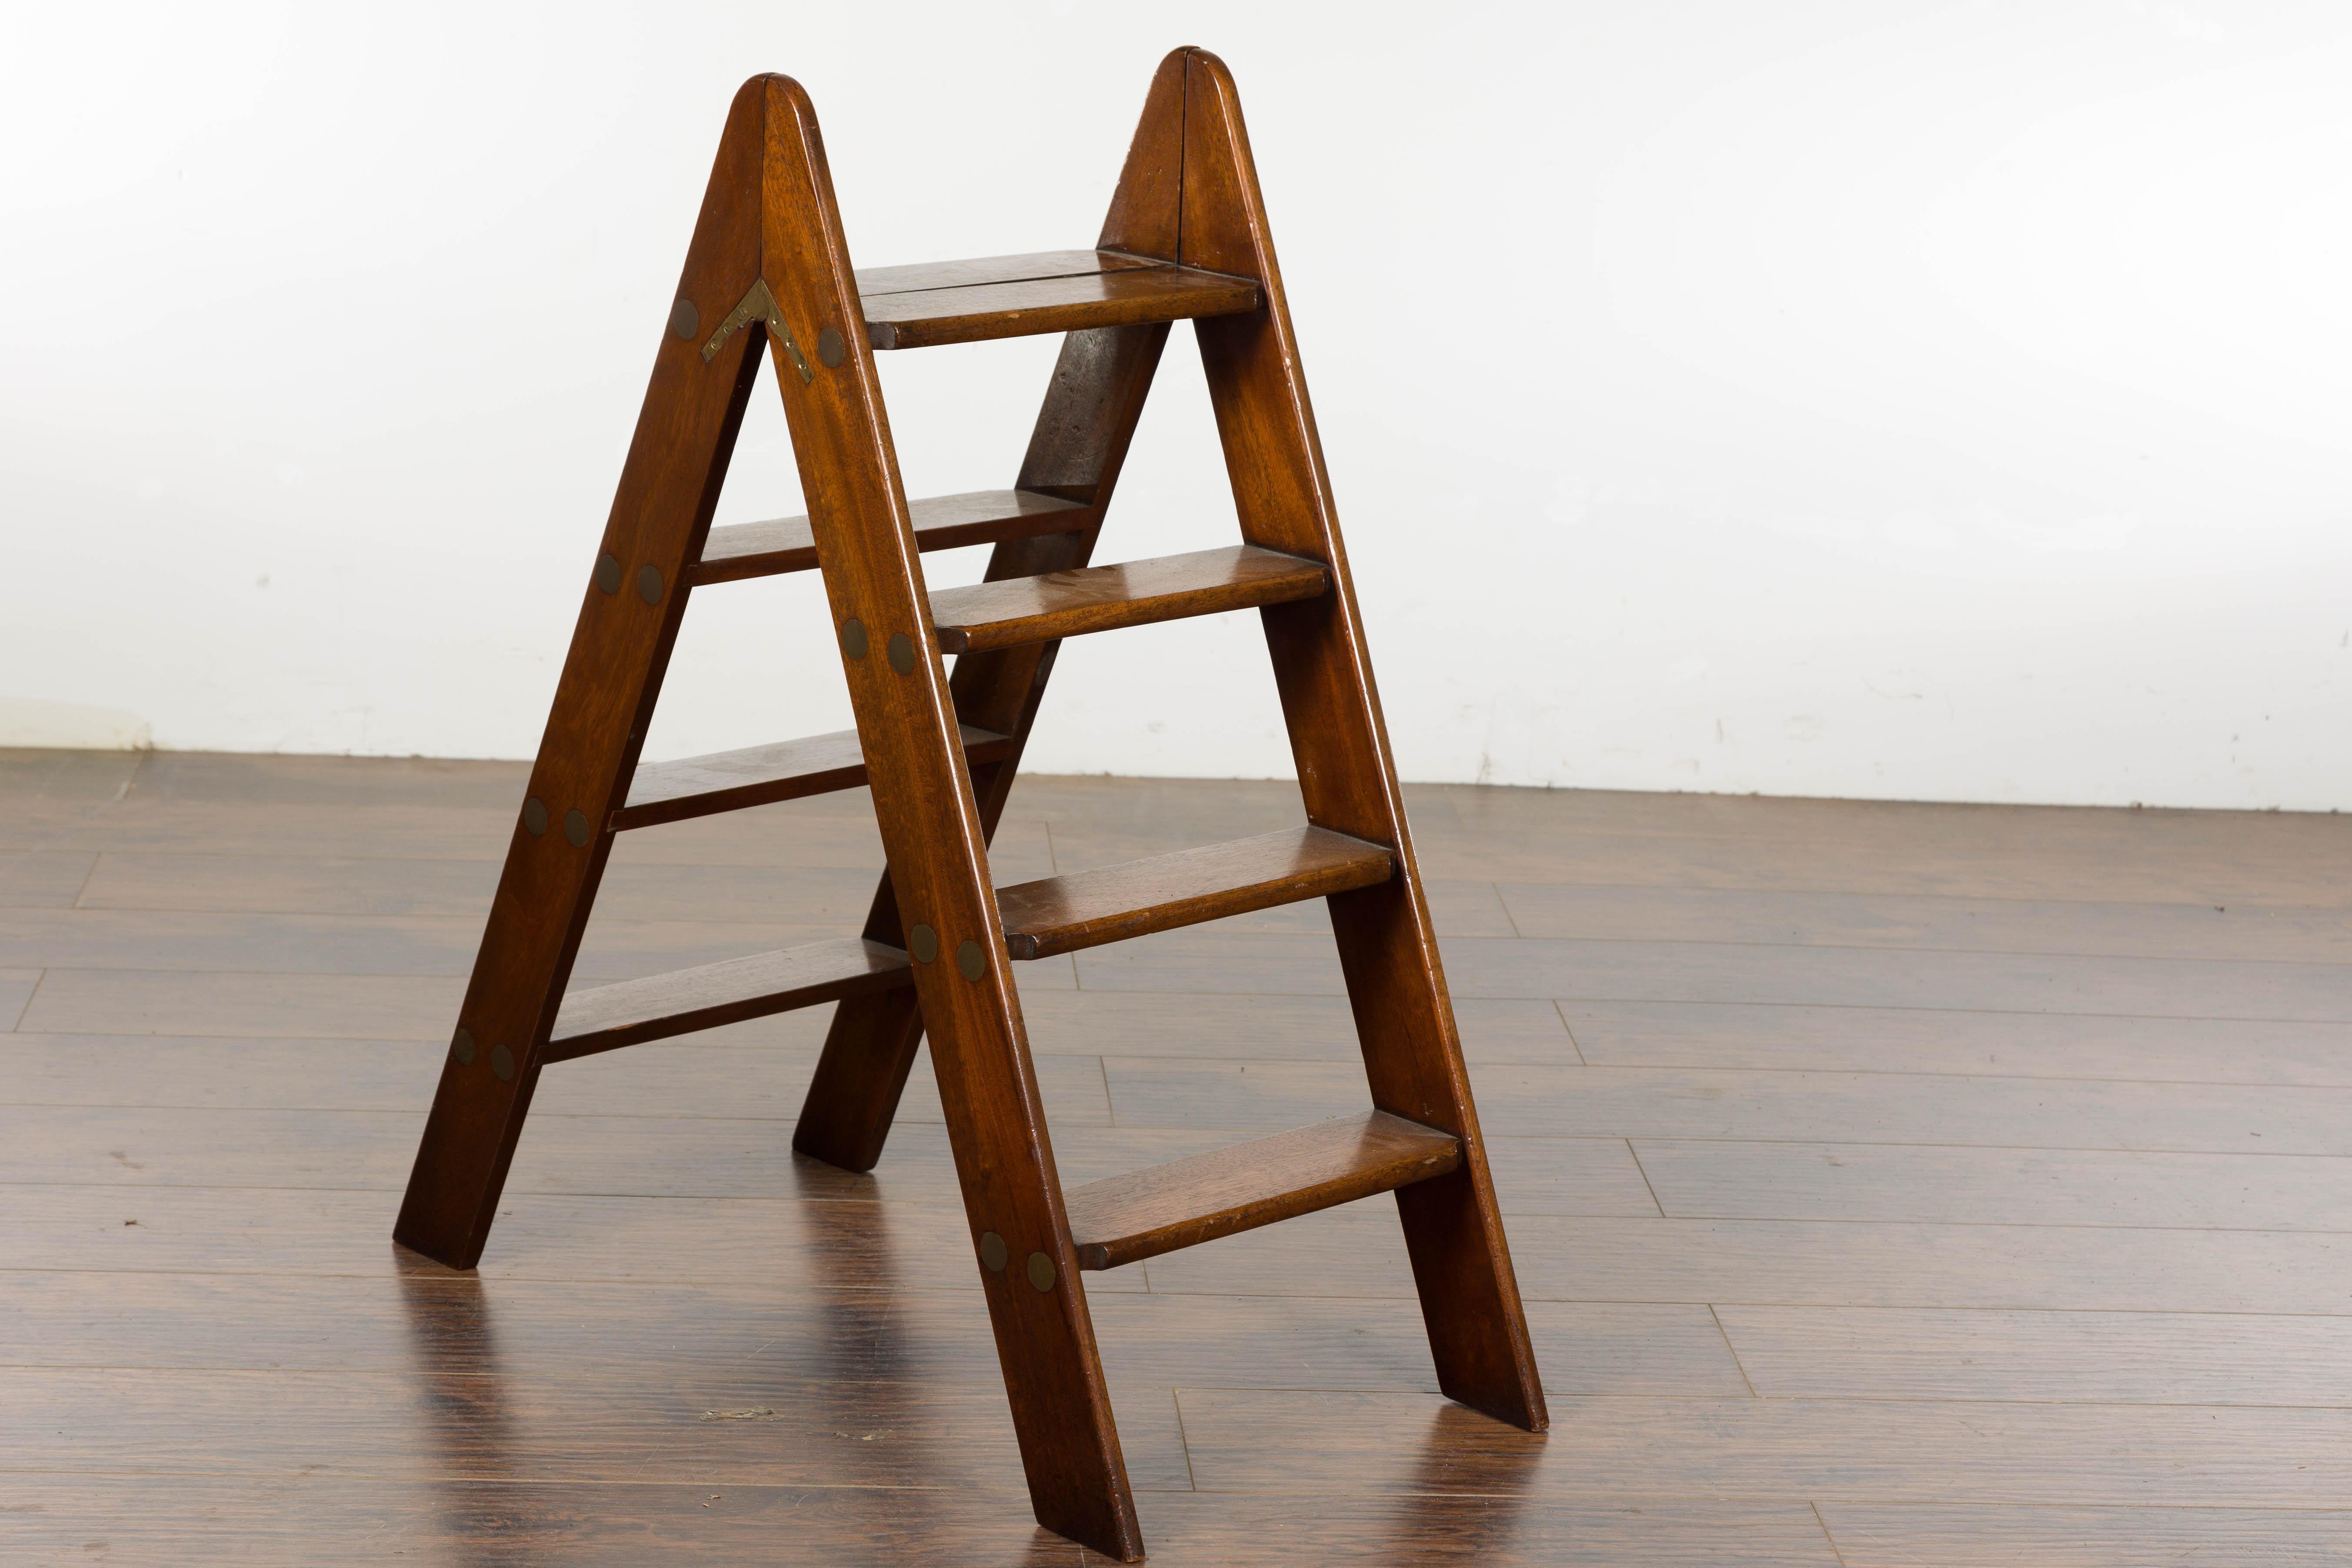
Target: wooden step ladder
(1186, 239)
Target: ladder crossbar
(762, 775)
(1018, 610)
(741, 551)
(683, 1001)
(1125, 1219)
(940, 302)
(1087, 909)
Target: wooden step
(1059, 914)
(758, 775)
(1017, 610)
(1051, 291)
(781, 544)
(684, 999)
(1143, 1214)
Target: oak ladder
(1186, 239)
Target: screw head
(502, 1063)
(608, 573)
(649, 585)
(852, 637)
(534, 816)
(1041, 1271)
(924, 944)
(830, 348)
(462, 1047)
(993, 1253)
(902, 654)
(683, 318)
(575, 828)
(971, 962)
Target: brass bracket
(760, 305)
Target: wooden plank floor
(1889, 1185)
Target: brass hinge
(760, 305)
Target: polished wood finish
(1126, 1219)
(1185, 239)
(923, 275)
(762, 775)
(1062, 914)
(249, 1374)
(935, 842)
(745, 550)
(1053, 291)
(603, 702)
(1322, 668)
(683, 1001)
(1080, 440)
(1059, 605)
(1077, 449)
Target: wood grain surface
(1126, 1218)
(932, 303)
(744, 550)
(1817, 1274)
(1059, 605)
(762, 775)
(1117, 903)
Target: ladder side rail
(1089, 416)
(1076, 450)
(604, 698)
(1387, 944)
(931, 832)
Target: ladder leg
(1082, 434)
(932, 830)
(1404, 1019)
(628, 622)
(1076, 450)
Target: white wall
(1880, 398)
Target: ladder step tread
(758, 775)
(682, 1001)
(1060, 914)
(1050, 292)
(1125, 1219)
(922, 277)
(1017, 610)
(781, 544)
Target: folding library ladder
(1186, 239)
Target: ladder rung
(783, 545)
(1016, 610)
(685, 1000)
(758, 775)
(1059, 914)
(1146, 1213)
(1051, 291)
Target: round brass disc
(649, 585)
(924, 944)
(462, 1047)
(683, 318)
(503, 1064)
(575, 828)
(534, 816)
(1041, 1271)
(902, 654)
(608, 574)
(852, 637)
(971, 962)
(830, 348)
(994, 1254)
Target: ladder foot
(853, 1096)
